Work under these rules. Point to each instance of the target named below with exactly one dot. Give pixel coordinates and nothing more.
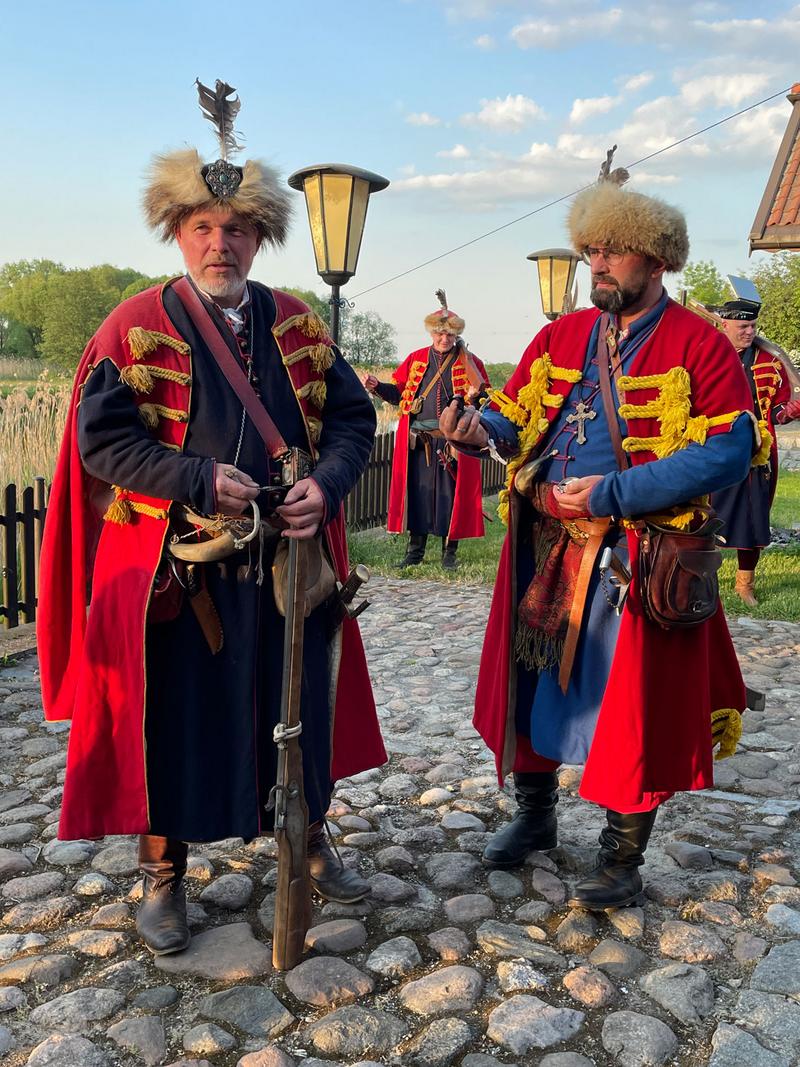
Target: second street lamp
(336, 199)
(557, 268)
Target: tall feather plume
(221, 112)
(441, 296)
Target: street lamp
(336, 199)
(556, 278)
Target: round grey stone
(440, 1043)
(17, 833)
(733, 1047)
(395, 858)
(156, 998)
(11, 998)
(62, 1051)
(326, 980)
(405, 920)
(469, 908)
(12, 863)
(577, 931)
(522, 1023)
(35, 885)
(398, 786)
(692, 857)
(450, 943)
(783, 919)
(206, 1038)
(354, 1031)
(685, 991)
(254, 1009)
(434, 797)
(225, 953)
(99, 943)
(120, 858)
(269, 1056)
(534, 911)
(230, 891)
(779, 971)
(450, 989)
(618, 960)
(388, 889)
(111, 916)
(338, 935)
(40, 914)
(589, 987)
(395, 958)
(516, 976)
(452, 870)
(12, 945)
(71, 1012)
(143, 1036)
(505, 885)
(638, 1040)
(7, 1041)
(43, 970)
(68, 853)
(692, 944)
(93, 885)
(773, 1020)
(510, 941)
(457, 821)
(548, 886)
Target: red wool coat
(93, 669)
(653, 733)
(772, 391)
(467, 518)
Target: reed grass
(31, 426)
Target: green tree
(24, 294)
(704, 283)
(317, 303)
(778, 282)
(78, 301)
(367, 339)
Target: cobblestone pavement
(448, 963)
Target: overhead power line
(567, 196)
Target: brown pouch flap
(699, 561)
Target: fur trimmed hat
(607, 215)
(443, 320)
(178, 183)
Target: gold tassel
(141, 342)
(137, 378)
(315, 391)
(765, 447)
(314, 428)
(119, 511)
(149, 415)
(322, 358)
(726, 729)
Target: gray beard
(616, 300)
(225, 288)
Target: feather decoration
(441, 296)
(221, 112)
(618, 176)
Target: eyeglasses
(610, 255)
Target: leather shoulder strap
(608, 399)
(235, 376)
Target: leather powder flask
(677, 569)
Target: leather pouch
(320, 576)
(678, 574)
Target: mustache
(607, 278)
(219, 263)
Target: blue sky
(477, 111)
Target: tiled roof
(777, 222)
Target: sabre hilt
(346, 592)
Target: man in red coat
(173, 682)
(571, 672)
(432, 490)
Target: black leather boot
(329, 876)
(415, 553)
(615, 882)
(449, 549)
(533, 828)
(161, 919)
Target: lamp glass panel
(337, 190)
(358, 215)
(543, 266)
(312, 188)
(560, 272)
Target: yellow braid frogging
(316, 392)
(122, 509)
(140, 377)
(321, 357)
(308, 323)
(726, 729)
(141, 342)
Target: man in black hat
(745, 507)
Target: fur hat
(443, 320)
(607, 215)
(178, 183)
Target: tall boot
(415, 553)
(161, 919)
(533, 828)
(745, 587)
(615, 882)
(449, 549)
(329, 876)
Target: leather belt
(591, 532)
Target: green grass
(777, 578)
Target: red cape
(93, 669)
(653, 733)
(467, 517)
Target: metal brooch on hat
(221, 107)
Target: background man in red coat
(173, 682)
(744, 508)
(570, 672)
(432, 490)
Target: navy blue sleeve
(502, 431)
(116, 447)
(348, 430)
(694, 471)
(389, 392)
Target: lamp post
(336, 199)
(556, 268)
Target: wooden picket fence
(22, 520)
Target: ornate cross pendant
(580, 415)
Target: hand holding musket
(293, 892)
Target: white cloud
(485, 42)
(512, 113)
(408, 169)
(546, 34)
(721, 90)
(591, 106)
(638, 81)
(423, 118)
(458, 151)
